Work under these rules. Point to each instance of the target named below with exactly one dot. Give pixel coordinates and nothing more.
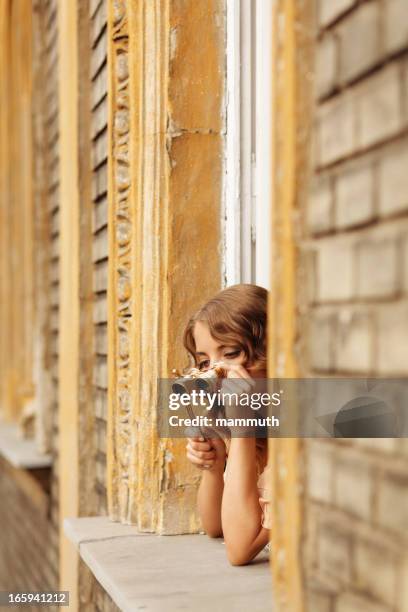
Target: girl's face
(209, 350)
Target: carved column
(17, 208)
(40, 408)
(69, 305)
(120, 289)
(5, 280)
(293, 38)
(165, 156)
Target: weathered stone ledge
(20, 452)
(172, 573)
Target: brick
(405, 264)
(99, 21)
(405, 91)
(354, 488)
(377, 267)
(25, 549)
(100, 84)
(100, 470)
(310, 266)
(354, 197)
(363, 25)
(100, 245)
(335, 279)
(350, 602)
(376, 572)
(93, 5)
(377, 445)
(334, 555)
(309, 258)
(393, 181)
(403, 587)
(390, 402)
(326, 65)
(393, 504)
(396, 25)
(321, 342)
(354, 342)
(392, 332)
(320, 205)
(320, 472)
(329, 11)
(101, 438)
(336, 129)
(378, 106)
(100, 313)
(319, 601)
(403, 446)
(100, 373)
(100, 276)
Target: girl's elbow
(214, 533)
(238, 556)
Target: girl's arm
(241, 512)
(209, 455)
(209, 501)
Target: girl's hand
(206, 454)
(238, 380)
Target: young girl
(231, 328)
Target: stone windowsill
(158, 572)
(19, 452)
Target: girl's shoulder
(261, 454)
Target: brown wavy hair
(235, 316)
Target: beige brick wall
(94, 598)
(28, 559)
(91, 594)
(50, 60)
(99, 129)
(356, 491)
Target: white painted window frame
(248, 189)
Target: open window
(248, 143)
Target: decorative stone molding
(120, 220)
(165, 160)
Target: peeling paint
(168, 456)
(173, 42)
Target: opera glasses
(195, 379)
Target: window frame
(248, 151)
